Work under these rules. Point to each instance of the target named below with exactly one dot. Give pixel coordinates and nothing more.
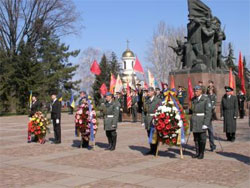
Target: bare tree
(159, 54)
(87, 57)
(25, 20)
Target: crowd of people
(145, 101)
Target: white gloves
(57, 121)
(113, 126)
(143, 124)
(204, 127)
(235, 117)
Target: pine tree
(114, 65)
(230, 58)
(104, 77)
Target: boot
(110, 143)
(150, 152)
(114, 138)
(202, 150)
(197, 150)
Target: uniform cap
(197, 88)
(228, 89)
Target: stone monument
(200, 57)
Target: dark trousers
(112, 137)
(242, 113)
(57, 130)
(153, 147)
(134, 114)
(230, 136)
(120, 116)
(200, 142)
(211, 136)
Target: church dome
(128, 53)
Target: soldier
(134, 106)
(150, 105)
(241, 99)
(56, 117)
(111, 114)
(213, 98)
(229, 113)
(200, 83)
(119, 100)
(35, 107)
(201, 110)
(181, 95)
(158, 93)
(211, 86)
(139, 94)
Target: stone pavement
(66, 165)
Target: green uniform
(119, 102)
(111, 114)
(149, 108)
(201, 115)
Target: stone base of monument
(220, 79)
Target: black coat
(229, 110)
(56, 110)
(241, 100)
(35, 107)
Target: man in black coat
(229, 113)
(241, 99)
(56, 117)
(35, 106)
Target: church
(127, 63)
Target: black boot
(85, 143)
(110, 143)
(202, 150)
(196, 150)
(114, 138)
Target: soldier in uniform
(200, 83)
(229, 113)
(119, 100)
(158, 93)
(56, 117)
(35, 107)
(134, 106)
(201, 111)
(181, 95)
(241, 99)
(150, 105)
(213, 98)
(139, 94)
(111, 115)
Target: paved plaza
(66, 165)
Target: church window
(124, 64)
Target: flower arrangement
(169, 120)
(38, 126)
(85, 118)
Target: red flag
(241, 74)
(112, 84)
(129, 98)
(138, 67)
(95, 69)
(231, 79)
(190, 90)
(103, 89)
(172, 84)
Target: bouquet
(170, 121)
(38, 126)
(86, 120)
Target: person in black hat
(111, 115)
(229, 113)
(56, 117)
(139, 94)
(201, 110)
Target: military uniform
(181, 95)
(213, 99)
(134, 108)
(56, 118)
(111, 115)
(229, 111)
(149, 108)
(241, 99)
(119, 101)
(201, 110)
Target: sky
(108, 24)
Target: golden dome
(128, 53)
